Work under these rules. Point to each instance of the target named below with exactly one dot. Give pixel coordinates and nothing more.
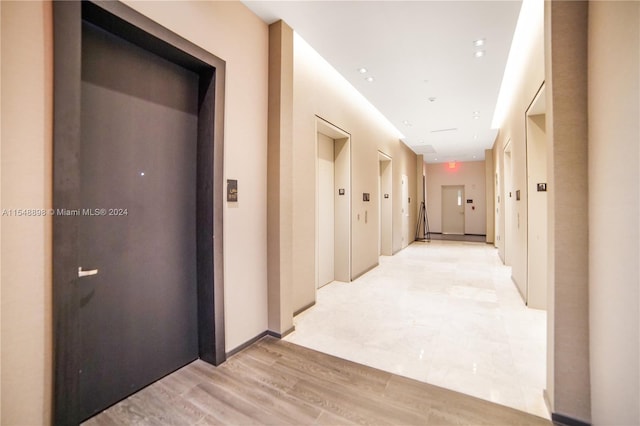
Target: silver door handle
(82, 273)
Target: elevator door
(326, 210)
(137, 235)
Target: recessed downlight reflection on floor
(141, 173)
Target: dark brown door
(138, 314)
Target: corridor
(444, 313)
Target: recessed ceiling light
(406, 123)
(476, 117)
(369, 79)
(479, 54)
(479, 42)
(432, 99)
(362, 70)
(475, 136)
(476, 112)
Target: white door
(453, 209)
(405, 211)
(326, 210)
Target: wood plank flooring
(273, 382)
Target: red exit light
(453, 165)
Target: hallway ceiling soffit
(427, 79)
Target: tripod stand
(424, 221)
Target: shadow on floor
(471, 238)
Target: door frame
(385, 230)
(342, 203)
(136, 28)
(536, 278)
(507, 206)
(405, 205)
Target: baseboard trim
(304, 308)
(470, 235)
(560, 419)
(260, 336)
(281, 335)
(246, 344)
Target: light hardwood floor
(273, 382)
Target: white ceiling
(415, 50)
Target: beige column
(280, 179)
(568, 384)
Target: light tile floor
(445, 313)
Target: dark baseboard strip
(304, 308)
(281, 335)
(246, 344)
(260, 336)
(470, 235)
(559, 419)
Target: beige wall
(226, 29)
(513, 129)
(471, 175)
(614, 185)
(320, 91)
(26, 183)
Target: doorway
(453, 209)
(536, 296)
(498, 207)
(333, 204)
(405, 210)
(385, 205)
(137, 259)
(326, 210)
(507, 206)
